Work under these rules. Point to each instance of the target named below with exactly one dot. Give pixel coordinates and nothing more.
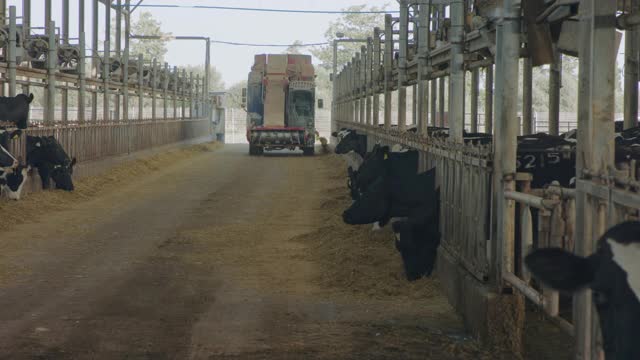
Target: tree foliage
(215, 77)
(147, 25)
(353, 26)
(295, 48)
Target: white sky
(253, 27)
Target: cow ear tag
(386, 156)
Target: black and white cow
(15, 110)
(352, 141)
(418, 238)
(12, 182)
(47, 155)
(7, 160)
(613, 275)
(392, 196)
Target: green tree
(234, 94)
(147, 25)
(354, 26)
(295, 48)
(215, 77)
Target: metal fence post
(402, 65)
(52, 61)
(82, 82)
(12, 51)
(107, 64)
(154, 81)
(388, 68)
(140, 87)
(165, 86)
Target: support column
(631, 52)
(64, 93)
(595, 147)
(118, 44)
(106, 106)
(125, 63)
(505, 139)
(527, 97)
(26, 26)
(52, 62)
(456, 79)
(95, 61)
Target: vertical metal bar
(441, 101)
(631, 52)
(507, 63)
(165, 87)
(475, 83)
(118, 44)
(154, 81)
(356, 87)
(26, 28)
(140, 87)
(190, 94)
(207, 78)
(595, 151)
(527, 96)
(64, 93)
(52, 61)
(334, 115)
(376, 75)
(369, 77)
(95, 63)
(362, 85)
(176, 78)
(424, 47)
(183, 93)
(12, 51)
(488, 100)
(402, 65)
(434, 102)
(125, 65)
(47, 15)
(106, 102)
(388, 63)
(555, 82)
(81, 79)
(456, 78)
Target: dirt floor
(207, 253)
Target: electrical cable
(267, 45)
(212, 7)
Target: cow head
(13, 182)
(612, 273)
(61, 174)
(370, 207)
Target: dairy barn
(467, 186)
